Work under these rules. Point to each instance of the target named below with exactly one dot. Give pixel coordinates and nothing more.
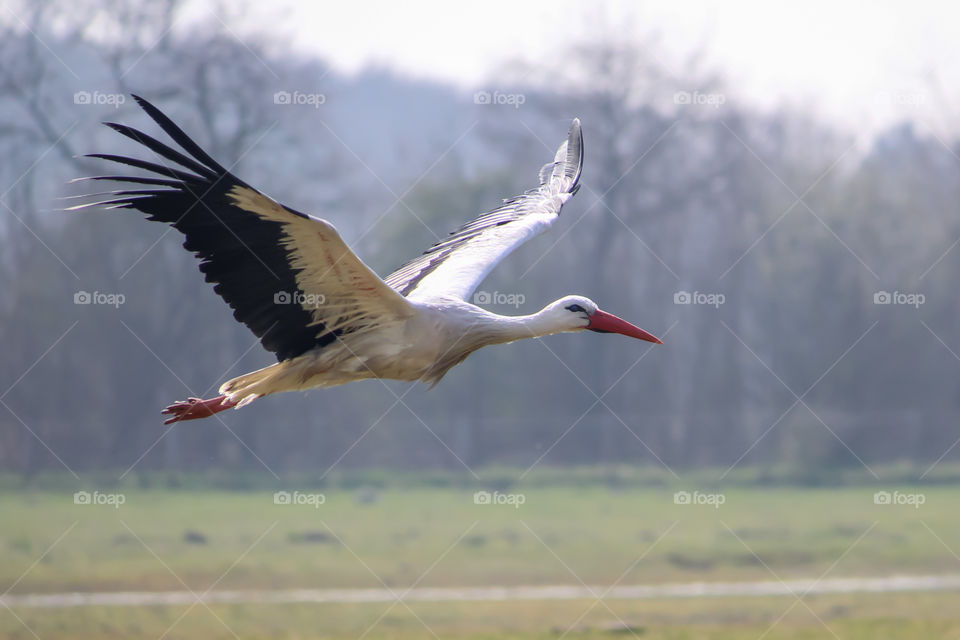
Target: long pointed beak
(603, 322)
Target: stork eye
(576, 308)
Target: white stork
(327, 317)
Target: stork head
(575, 313)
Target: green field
(910, 617)
(171, 540)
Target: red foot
(194, 408)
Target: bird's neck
(510, 328)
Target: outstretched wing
(456, 266)
(289, 277)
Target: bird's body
(328, 318)
(439, 335)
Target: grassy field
(164, 540)
(872, 617)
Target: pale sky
(862, 65)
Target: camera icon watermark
(914, 500)
(297, 498)
(512, 499)
(697, 498)
(99, 98)
(900, 298)
(96, 498)
(697, 297)
(298, 98)
(110, 299)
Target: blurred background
(772, 191)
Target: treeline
(801, 282)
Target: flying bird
(327, 317)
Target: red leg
(194, 408)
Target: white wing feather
(457, 265)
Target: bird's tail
(246, 388)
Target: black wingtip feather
(162, 150)
(186, 178)
(178, 135)
(176, 184)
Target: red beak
(603, 322)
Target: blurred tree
(684, 190)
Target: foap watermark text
(696, 98)
(498, 298)
(99, 98)
(512, 499)
(499, 98)
(300, 298)
(299, 498)
(914, 500)
(96, 498)
(899, 297)
(699, 297)
(900, 98)
(99, 297)
(697, 498)
(299, 98)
